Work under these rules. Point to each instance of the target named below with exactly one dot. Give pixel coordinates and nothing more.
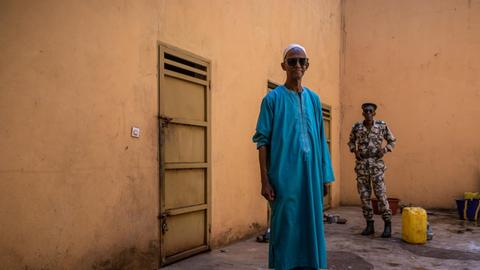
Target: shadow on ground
(346, 260)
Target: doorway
(185, 166)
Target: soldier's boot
(370, 229)
(387, 231)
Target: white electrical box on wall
(135, 132)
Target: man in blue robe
(295, 165)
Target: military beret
(369, 104)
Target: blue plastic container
(468, 209)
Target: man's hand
(267, 191)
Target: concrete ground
(455, 245)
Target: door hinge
(163, 217)
(164, 227)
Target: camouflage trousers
(370, 173)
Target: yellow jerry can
(414, 225)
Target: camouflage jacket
(369, 142)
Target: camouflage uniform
(370, 168)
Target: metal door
(327, 118)
(184, 122)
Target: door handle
(165, 120)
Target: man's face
(369, 113)
(295, 63)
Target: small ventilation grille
(271, 85)
(182, 66)
(326, 112)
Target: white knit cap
(292, 46)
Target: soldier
(365, 142)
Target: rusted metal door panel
(185, 143)
(185, 187)
(326, 125)
(185, 232)
(327, 118)
(189, 103)
(184, 123)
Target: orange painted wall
(245, 43)
(76, 191)
(420, 61)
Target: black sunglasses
(368, 110)
(293, 61)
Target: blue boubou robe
(290, 124)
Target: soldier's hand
(357, 155)
(267, 191)
(381, 152)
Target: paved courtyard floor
(455, 246)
